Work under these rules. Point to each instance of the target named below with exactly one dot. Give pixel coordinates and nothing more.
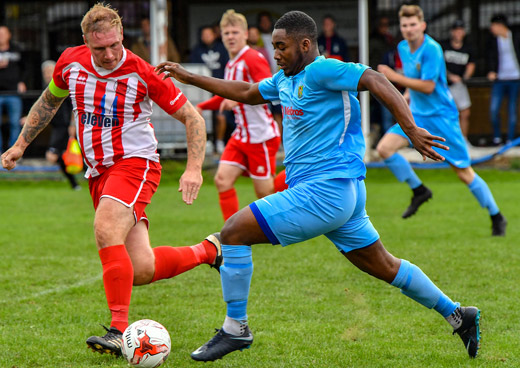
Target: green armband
(57, 91)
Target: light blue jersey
(427, 63)
(322, 134)
(435, 112)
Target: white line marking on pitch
(56, 290)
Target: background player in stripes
(112, 91)
(252, 148)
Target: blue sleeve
(269, 88)
(335, 75)
(432, 62)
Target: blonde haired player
(112, 92)
(253, 145)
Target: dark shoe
(417, 201)
(469, 330)
(499, 224)
(221, 344)
(108, 344)
(215, 240)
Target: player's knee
(222, 183)
(106, 234)
(143, 275)
(383, 149)
(230, 233)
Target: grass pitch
(308, 306)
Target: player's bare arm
(419, 85)
(191, 180)
(244, 92)
(39, 117)
(392, 99)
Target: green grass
(308, 306)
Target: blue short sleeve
(269, 88)
(336, 75)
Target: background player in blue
(433, 108)
(324, 150)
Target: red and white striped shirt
(112, 108)
(254, 123)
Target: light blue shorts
(447, 127)
(334, 208)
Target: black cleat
(469, 330)
(417, 201)
(499, 224)
(109, 344)
(215, 240)
(221, 344)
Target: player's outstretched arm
(394, 101)
(191, 181)
(39, 117)
(244, 92)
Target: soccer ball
(146, 344)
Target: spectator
(265, 26)
(381, 42)
(62, 128)
(330, 44)
(503, 52)
(11, 84)
(142, 46)
(460, 66)
(211, 51)
(382, 50)
(254, 40)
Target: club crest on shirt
(418, 67)
(300, 91)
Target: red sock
(279, 182)
(118, 277)
(228, 203)
(172, 261)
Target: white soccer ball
(146, 344)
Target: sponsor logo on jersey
(287, 110)
(300, 91)
(82, 79)
(418, 67)
(99, 120)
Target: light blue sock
(481, 191)
(402, 170)
(416, 285)
(235, 274)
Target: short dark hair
(499, 18)
(329, 16)
(298, 25)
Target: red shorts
(131, 181)
(257, 159)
